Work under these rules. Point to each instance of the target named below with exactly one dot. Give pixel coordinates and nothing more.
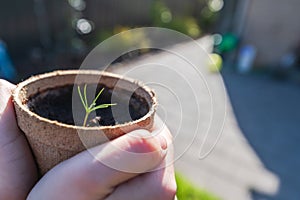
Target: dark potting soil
(56, 104)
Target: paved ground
(268, 112)
(233, 169)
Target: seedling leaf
(92, 107)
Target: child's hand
(88, 175)
(18, 172)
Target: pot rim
(35, 78)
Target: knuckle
(171, 191)
(167, 192)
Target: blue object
(7, 70)
(246, 58)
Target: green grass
(187, 191)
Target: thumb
(17, 168)
(93, 174)
(9, 129)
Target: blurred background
(39, 33)
(254, 43)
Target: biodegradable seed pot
(51, 114)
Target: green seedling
(92, 107)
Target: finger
(95, 173)
(17, 167)
(7, 115)
(5, 88)
(159, 184)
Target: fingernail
(163, 142)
